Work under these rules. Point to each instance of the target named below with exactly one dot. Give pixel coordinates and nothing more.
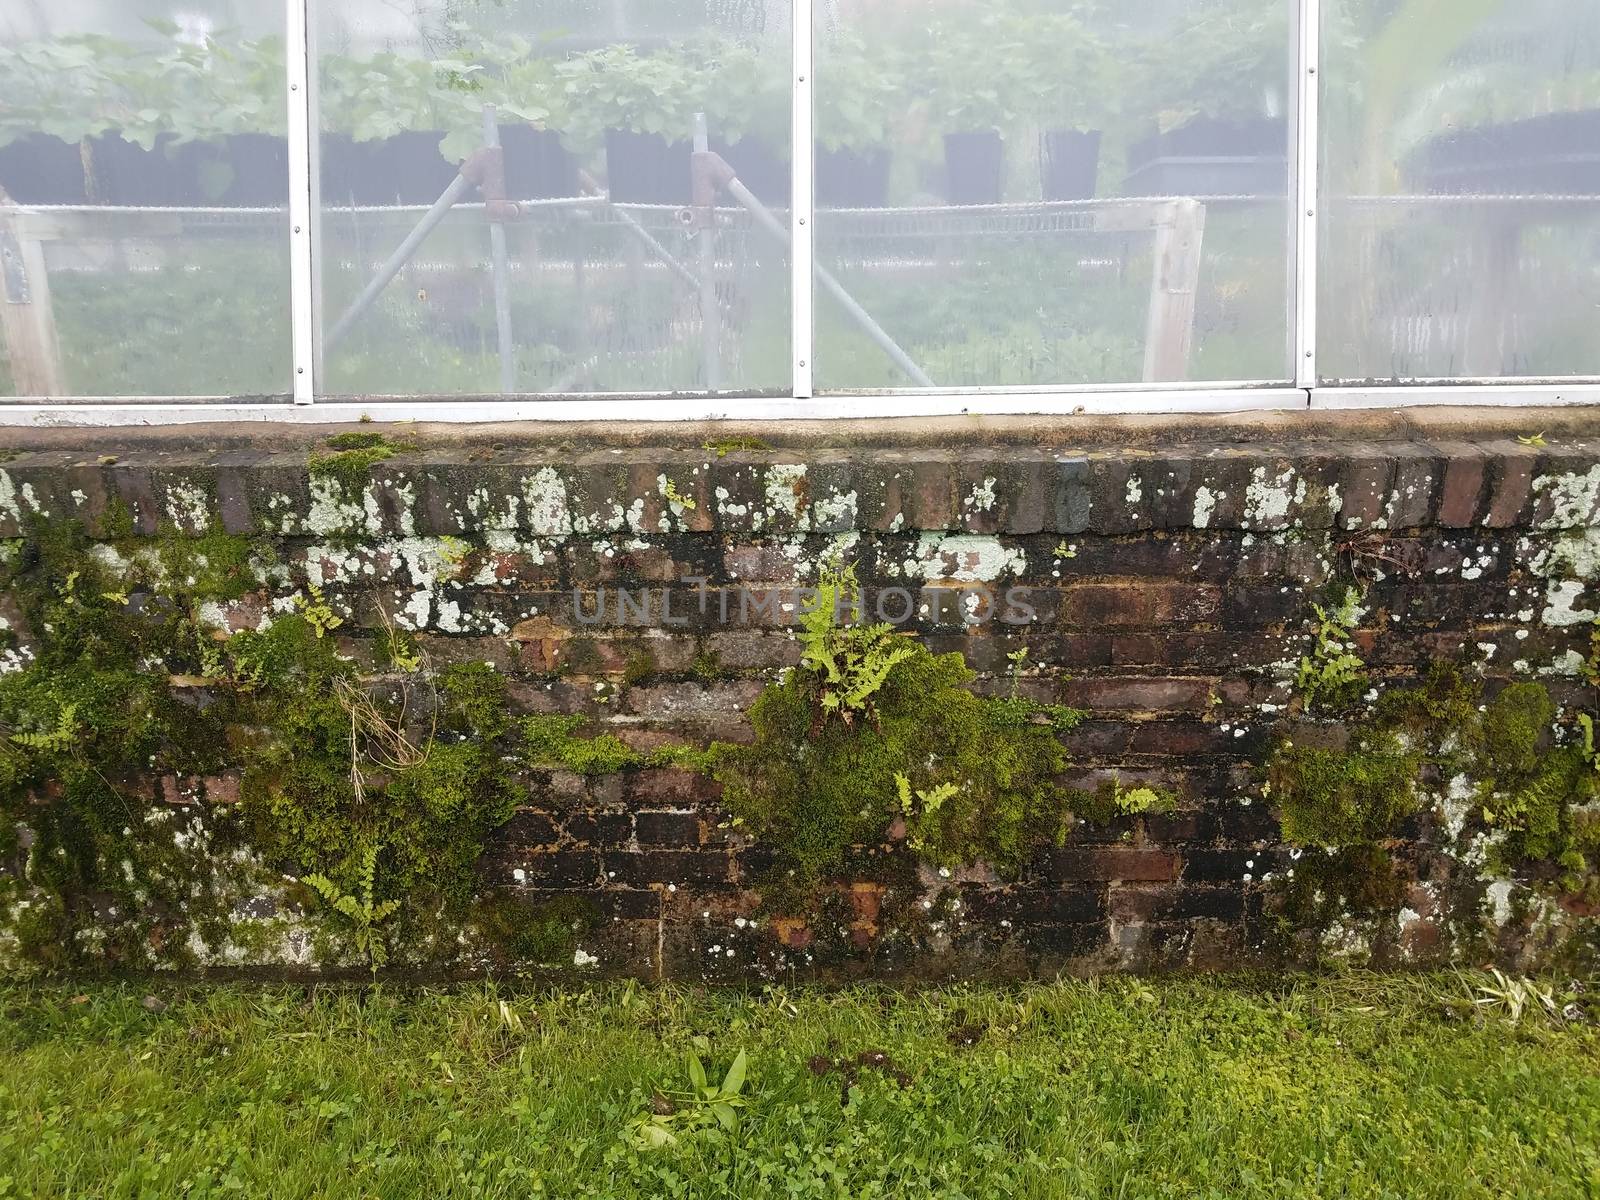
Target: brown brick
(660, 784)
(764, 562)
(1511, 471)
(1191, 694)
(1466, 470)
(1111, 864)
(1136, 601)
(675, 829)
(753, 651)
(687, 869)
(917, 493)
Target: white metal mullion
(802, 218)
(302, 314)
(1307, 205)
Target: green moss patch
(1336, 797)
(544, 934)
(350, 457)
(874, 731)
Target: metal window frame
(1305, 129)
(1301, 389)
(802, 203)
(302, 136)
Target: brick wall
(1169, 583)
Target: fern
(920, 806)
(363, 913)
(212, 665)
(316, 612)
(62, 737)
(851, 662)
(1586, 723)
(1332, 671)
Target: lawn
(1349, 1086)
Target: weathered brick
(1466, 471)
(528, 829)
(599, 829)
(676, 829)
(1511, 470)
(1110, 864)
(758, 651)
(1072, 501)
(1191, 694)
(560, 868)
(1138, 602)
(1364, 485)
(694, 702)
(907, 491)
(666, 784)
(1033, 905)
(682, 868)
(1203, 903)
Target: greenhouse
(1023, 205)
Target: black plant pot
(1555, 154)
(974, 167)
(405, 169)
(538, 166)
(130, 176)
(759, 168)
(853, 178)
(645, 168)
(260, 164)
(40, 169)
(199, 173)
(1069, 162)
(1208, 157)
(344, 161)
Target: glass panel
(1049, 192)
(143, 142)
(603, 292)
(1461, 178)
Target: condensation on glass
(145, 246)
(662, 289)
(1038, 192)
(1461, 190)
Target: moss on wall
(1356, 794)
(874, 733)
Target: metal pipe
(832, 286)
(656, 248)
(502, 268)
(391, 267)
(639, 231)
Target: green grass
(1355, 1086)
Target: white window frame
(1304, 391)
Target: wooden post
(26, 318)
(1169, 332)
